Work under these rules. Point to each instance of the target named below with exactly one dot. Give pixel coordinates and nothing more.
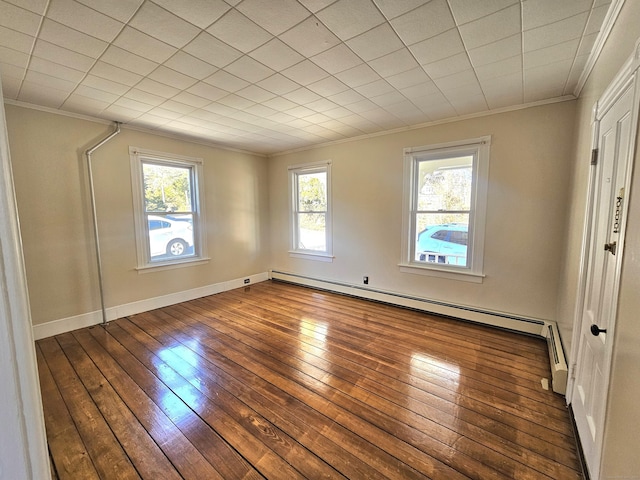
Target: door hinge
(573, 371)
(594, 156)
(611, 247)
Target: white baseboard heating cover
(559, 369)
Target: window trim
(480, 148)
(294, 252)
(137, 158)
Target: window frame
(294, 172)
(479, 149)
(139, 156)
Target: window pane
(312, 192)
(311, 231)
(170, 236)
(167, 189)
(442, 238)
(445, 184)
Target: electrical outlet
(247, 281)
(365, 280)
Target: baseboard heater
(530, 326)
(559, 369)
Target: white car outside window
(170, 237)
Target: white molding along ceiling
(269, 76)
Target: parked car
(443, 244)
(169, 236)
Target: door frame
(23, 443)
(627, 77)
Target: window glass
(445, 206)
(168, 203)
(312, 206)
(310, 230)
(444, 187)
(167, 188)
(168, 210)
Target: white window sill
(461, 275)
(159, 267)
(318, 257)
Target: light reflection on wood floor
(282, 382)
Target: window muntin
(310, 210)
(445, 207)
(167, 208)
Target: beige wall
(620, 457)
(538, 181)
(51, 187)
(530, 164)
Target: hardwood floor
(283, 382)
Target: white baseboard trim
(63, 325)
(517, 323)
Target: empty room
(284, 239)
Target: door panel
(592, 372)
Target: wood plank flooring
(283, 382)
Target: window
(445, 207)
(167, 194)
(310, 187)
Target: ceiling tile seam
(79, 83)
(181, 18)
(199, 141)
(581, 39)
(322, 96)
(404, 13)
(483, 16)
(494, 13)
(466, 51)
(430, 124)
(575, 14)
(106, 14)
(272, 37)
(556, 21)
(247, 54)
(406, 47)
(33, 47)
(186, 104)
(171, 98)
(366, 63)
(573, 62)
(311, 14)
(413, 56)
(196, 80)
(605, 30)
(126, 24)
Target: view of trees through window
(167, 188)
(168, 205)
(312, 208)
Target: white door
(23, 443)
(589, 395)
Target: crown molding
(124, 126)
(603, 35)
(469, 116)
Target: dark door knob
(596, 330)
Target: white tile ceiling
(273, 75)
